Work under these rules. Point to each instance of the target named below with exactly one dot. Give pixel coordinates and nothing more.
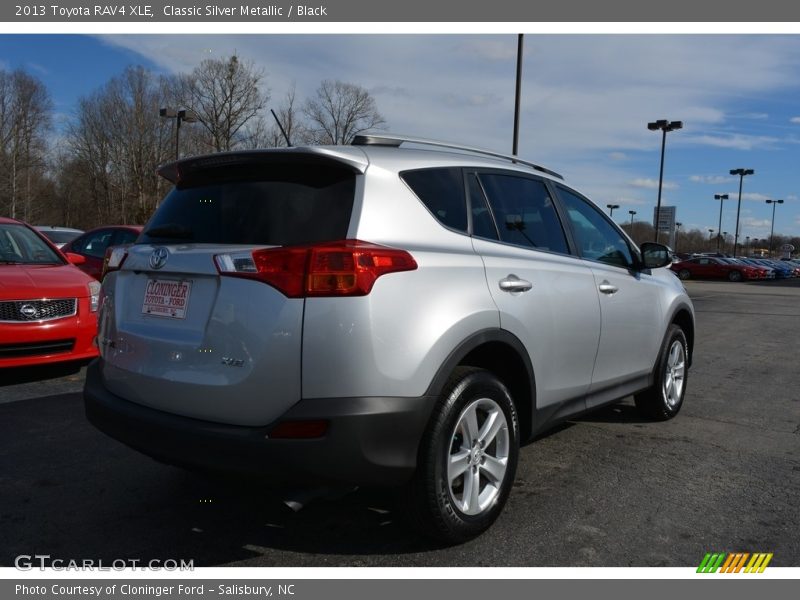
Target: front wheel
(735, 276)
(684, 274)
(663, 400)
(467, 459)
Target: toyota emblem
(159, 258)
(28, 311)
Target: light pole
(517, 95)
(664, 126)
(631, 213)
(725, 238)
(611, 208)
(747, 245)
(677, 235)
(741, 173)
(772, 227)
(721, 198)
(180, 116)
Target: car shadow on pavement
(20, 375)
(73, 493)
(616, 413)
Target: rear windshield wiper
(171, 230)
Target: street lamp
(741, 173)
(611, 208)
(180, 116)
(725, 238)
(721, 198)
(677, 234)
(631, 213)
(711, 234)
(665, 126)
(772, 228)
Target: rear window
(270, 204)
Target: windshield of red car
(21, 246)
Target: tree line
(100, 166)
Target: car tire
(664, 399)
(684, 274)
(467, 458)
(735, 276)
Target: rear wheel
(467, 460)
(735, 276)
(664, 399)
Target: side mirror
(655, 255)
(75, 259)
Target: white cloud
(618, 156)
(794, 120)
(735, 141)
(752, 223)
(652, 184)
(710, 179)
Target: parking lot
(607, 490)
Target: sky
(586, 102)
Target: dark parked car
(92, 245)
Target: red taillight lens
(346, 268)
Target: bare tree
(117, 141)
(25, 120)
(228, 100)
(291, 120)
(340, 111)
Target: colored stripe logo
(734, 562)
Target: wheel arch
(504, 355)
(682, 317)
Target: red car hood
(28, 282)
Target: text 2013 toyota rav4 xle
(380, 314)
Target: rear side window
(94, 244)
(269, 204)
(524, 212)
(442, 191)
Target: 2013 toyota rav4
(380, 314)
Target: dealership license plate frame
(169, 307)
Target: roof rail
(395, 141)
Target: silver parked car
(398, 312)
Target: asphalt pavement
(610, 489)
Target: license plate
(166, 298)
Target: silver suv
(396, 312)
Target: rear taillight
(346, 268)
(114, 260)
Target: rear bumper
(369, 440)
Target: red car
(92, 245)
(708, 267)
(48, 308)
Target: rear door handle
(512, 283)
(607, 288)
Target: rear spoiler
(346, 156)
